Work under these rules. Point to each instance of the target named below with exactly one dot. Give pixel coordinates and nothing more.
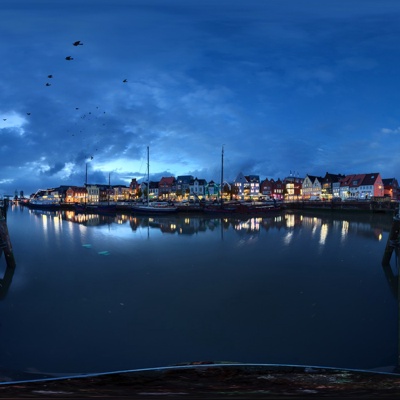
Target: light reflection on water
(96, 293)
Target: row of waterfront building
(292, 188)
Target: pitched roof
(370, 179)
(333, 177)
(389, 181)
(201, 182)
(313, 178)
(184, 178)
(253, 178)
(346, 180)
(356, 180)
(167, 180)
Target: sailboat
(238, 207)
(158, 207)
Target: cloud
(55, 169)
(388, 131)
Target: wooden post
(5, 243)
(393, 240)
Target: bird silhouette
(125, 80)
(49, 76)
(28, 113)
(69, 58)
(77, 43)
(48, 84)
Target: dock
(384, 207)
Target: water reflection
(322, 227)
(369, 226)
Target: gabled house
(247, 186)
(312, 186)
(277, 189)
(106, 193)
(120, 192)
(391, 188)
(153, 191)
(344, 191)
(371, 186)
(197, 187)
(253, 184)
(361, 186)
(134, 188)
(183, 184)
(166, 187)
(293, 186)
(266, 187)
(76, 194)
(354, 185)
(93, 193)
(331, 186)
(241, 185)
(212, 189)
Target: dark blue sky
(288, 85)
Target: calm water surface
(96, 293)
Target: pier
(388, 207)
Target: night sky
(288, 86)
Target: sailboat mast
(148, 175)
(109, 189)
(222, 171)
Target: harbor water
(96, 293)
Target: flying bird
(48, 84)
(77, 43)
(28, 113)
(69, 58)
(49, 76)
(125, 80)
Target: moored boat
(48, 203)
(159, 207)
(257, 209)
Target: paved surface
(217, 381)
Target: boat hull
(153, 210)
(44, 206)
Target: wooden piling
(393, 240)
(5, 243)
